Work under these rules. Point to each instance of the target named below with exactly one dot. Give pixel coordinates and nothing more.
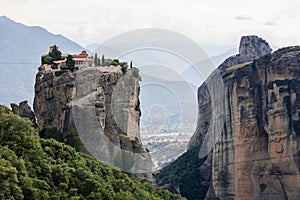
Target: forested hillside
(33, 168)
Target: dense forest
(183, 176)
(34, 168)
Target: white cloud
(205, 21)
(243, 17)
(270, 23)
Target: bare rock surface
(24, 111)
(257, 153)
(252, 151)
(101, 104)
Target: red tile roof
(59, 61)
(80, 59)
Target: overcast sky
(220, 22)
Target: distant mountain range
(171, 67)
(21, 47)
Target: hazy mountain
(219, 59)
(197, 73)
(176, 98)
(21, 47)
(168, 81)
(217, 48)
(92, 47)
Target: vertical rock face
(93, 101)
(213, 169)
(116, 102)
(53, 100)
(251, 48)
(113, 98)
(257, 154)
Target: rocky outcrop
(257, 153)
(24, 111)
(100, 103)
(256, 147)
(53, 100)
(251, 48)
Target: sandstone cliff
(256, 148)
(257, 153)
(251, 48)
(94, 101)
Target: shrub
(124, 66)
(64, 68)
(115, 62)
(48, 133)
(46, 59)
(73, 140)
(59, 73)
(124, 69)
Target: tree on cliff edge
(96, 60)
(70, 63)
(55, 53)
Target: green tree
(96, 60)
(55, 54)
(103, 60)
(8, 175)
(46, 59)
(124, 66)
(115, 62)
(34, 168)
(70, 63)
(74, 140)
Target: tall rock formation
(24, 111)
(256, 154)
(93, 101)
(251, 48)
